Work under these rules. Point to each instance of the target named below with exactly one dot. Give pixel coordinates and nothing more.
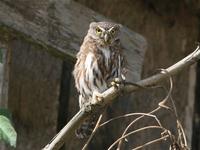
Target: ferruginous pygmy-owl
(99, 61)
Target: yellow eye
(98, 30)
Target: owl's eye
(98, 30)
(113, 31)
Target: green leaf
(7, 132)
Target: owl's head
(104, 32)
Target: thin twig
(93, 132)
(132, 114)
(151, 142)
(134, 121)
(133, 132)
(161, 104)
(181, 134)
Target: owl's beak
(106, 38)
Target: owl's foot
(117, 82)
(87, 108)
(97, 97)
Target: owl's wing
(123, 63)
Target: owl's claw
(117, 82)
(87, 108)
(96, 97)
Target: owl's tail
(86, 128)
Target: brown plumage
(99, 61)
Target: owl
(99, 61)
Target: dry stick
(132, 114)
(183, 143)
(93, 132)
(133, 132)
(181, 134)
(151, 142)
(134, 121)
(161, 104)
(128, 115)
(110, 94)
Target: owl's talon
(117, 82)
(87, 108)
(97, 97)
(114, 84)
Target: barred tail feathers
(86, 128)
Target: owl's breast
(106, 55)
(94, 74)
(94, 70)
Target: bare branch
(110, 94)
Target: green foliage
(7, 131)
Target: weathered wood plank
(4, 71)
(59, 26)
(33, 93)
(62, 25)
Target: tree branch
(109, 95)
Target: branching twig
(182, 138)
(134, 121)
(133, 132)
(132, 114)
(110, 94)
(151, 142)
(160, 105)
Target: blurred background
(39, 40)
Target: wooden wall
(41, 40)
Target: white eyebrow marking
(101, 28)
(111, 29)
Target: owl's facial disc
(103, 34)
(107, 35)
(110, 35)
